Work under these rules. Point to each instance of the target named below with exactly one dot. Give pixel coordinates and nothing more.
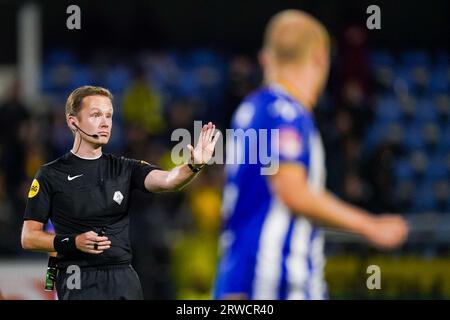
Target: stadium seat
(424, 199)
(387, 109)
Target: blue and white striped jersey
(266, 251)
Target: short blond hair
(73, 103)
(291, 34)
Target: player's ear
(262, 57)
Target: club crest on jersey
(291, 144)
(34, 189)
(118, 197)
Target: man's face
(95, 117)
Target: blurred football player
(272, 242)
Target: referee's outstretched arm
(34, 237)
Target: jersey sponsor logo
(34, 189)
(118, 197)
(291, 145)
(74, 177)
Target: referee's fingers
(94, 251)
(103, 247)
(98, 246)
(103, 243)
(91, 236)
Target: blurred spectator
(355, 190)
(356, 102)
(61, 137)
(181, 114)
(195, 251)
(142, 105)
(14, 118)
(243, 77)
(8, 221)
(353, 60)
(378, 172)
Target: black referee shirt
(81, 195)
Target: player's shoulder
(271, 105)
(253, 107)
(285, 107)
(260, 98)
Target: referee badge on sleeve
(34, 189)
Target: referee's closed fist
(90, 242)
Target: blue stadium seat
(431, 135)
(413, 139)
(443, 59)
(419, 163)
(415, 58)
(58, 56)
(444, 144)
(402, 78)
(82, 76)
(381, 58)
(424, 199)
(202, 57)
(402, 170)
(118, 78)
(437, 169)
(189, 85)
(375, 134)
(425, 110)
(387, 109)
(440, 80)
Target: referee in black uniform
(86, 194)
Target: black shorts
(112, 282)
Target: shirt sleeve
(140, 170)
(39, 198)
(292, 145)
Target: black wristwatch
(195, 169)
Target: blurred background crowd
(384, 118)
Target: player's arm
(180, 176)
(290, 185)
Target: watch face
(194, 169)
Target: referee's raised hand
(91, 242)
(204, 149)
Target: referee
(86, 194)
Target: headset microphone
(95, 136)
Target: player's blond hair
(291, 35)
